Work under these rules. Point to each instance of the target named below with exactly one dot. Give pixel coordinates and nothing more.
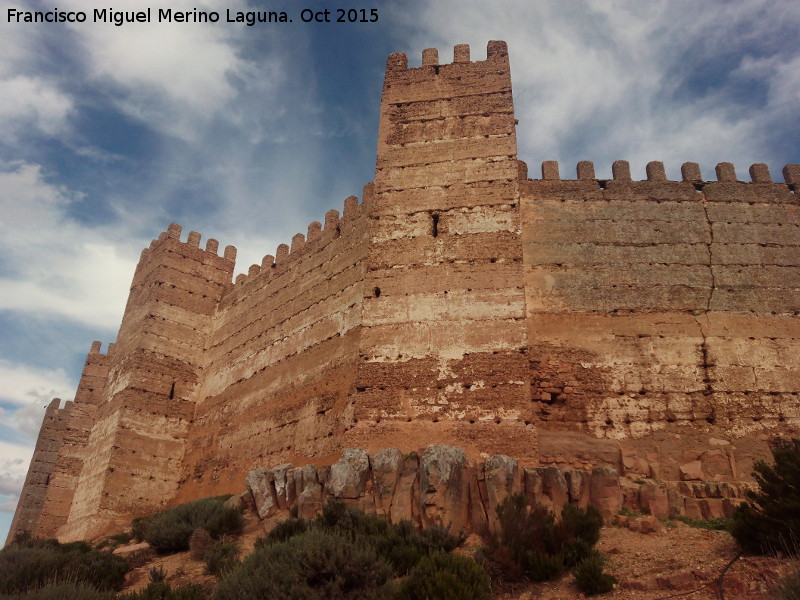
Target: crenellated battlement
(725, 173)
(316, 237)
(496, 52)
(173, 232)
(581, 321)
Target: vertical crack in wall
(704, 327)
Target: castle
(651, 326)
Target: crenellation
(298, 242)
(430, 57)
(314, 231)
(585, 170)
(331, 220)
(655, 171)
(791, 174)
(281, 254)
(690, 171)
(621, 170)
(461, 53)
(174, 231)
(759, 173)
(559, 321)
(726, 172)
(193, 239)
(397, 61)
(549, 171)
(522, 170)
(350, 207)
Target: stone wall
(440, 486)
(657, 302)
(280, 359)
(649, 327)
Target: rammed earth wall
(647, 326)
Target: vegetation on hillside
(170, 530)
(770, 521)
(28, 565)
(533, 545)
(345, 553)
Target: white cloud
(32, 102)
(55, 264)
(24, 385)
(176, 77)
(29, 101)
(13, 467)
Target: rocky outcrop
(441, 486)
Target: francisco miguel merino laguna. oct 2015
(168, 15)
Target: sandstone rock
(387, 465)
(718, 463)
(405, 504)
(279, 474)
(443, 486)
(677, 581)
(676, 504)
(604, 492)
(731, 505)
(534, 488)
(503, 478)
(136, 554)
(650, 524)
(655, 499)
(236, 501)
(309, 501)
(692, 471)
(260, 482)
(348, 475)
(578, 486)
(554, 486)
(692, 508)
(711, 508)
(478, 519)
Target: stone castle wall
(647, 326)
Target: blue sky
(247, 134)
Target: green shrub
(770, 521)
(169, 531)
(161, 590)
(440, 576)
(532, 544)
(62, 591)
(286, 529)
(402, 545)
(199, 543)
(221, 558)
(718, 524)
(317, 564)
(589, 575)
(41, 562)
